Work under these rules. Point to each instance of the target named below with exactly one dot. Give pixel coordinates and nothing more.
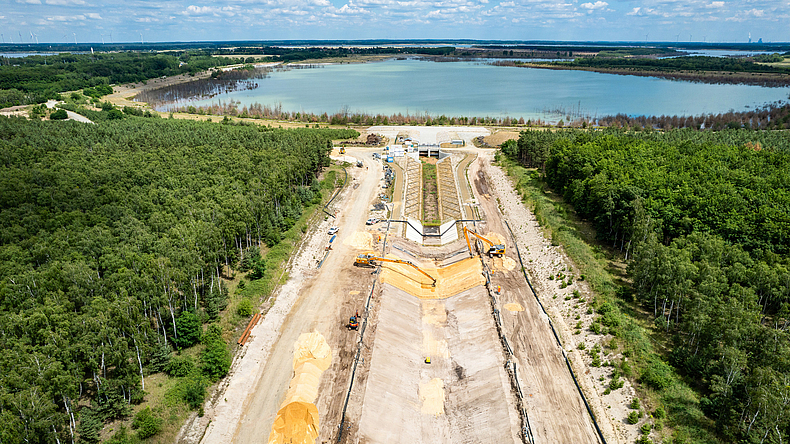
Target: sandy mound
(432, 397)
(504, 264)
(361, 240)
(513, 306)
(297, 419)
(496, 238)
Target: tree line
(702, 219)
(113, 242)
(36, 79)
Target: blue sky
(201, 20)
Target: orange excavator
(371, 260)
(494, 250)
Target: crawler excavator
(371, 260)
(494, 250)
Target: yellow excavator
(370, 259)
(494, 250)
(342, 150)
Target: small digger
(353, 322)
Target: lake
(473, 89)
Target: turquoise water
(474, 89)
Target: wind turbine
(646, 37)
(3, 36)
(141, 39)
(31, 36)
(111, 37)
(677, 38)
(75, 37)
(102, 38)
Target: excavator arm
(371, 259)
(495, 249)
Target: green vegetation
(702, 219)
(430, 195)
(39, 78)
(116, 244)
(690, 63)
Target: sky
(61, 21)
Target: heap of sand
(297, 419)
(450, 280)
(361, 240)
(504, 264)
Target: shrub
(633, 417)
(188, 328)
(657, 374)
(195, 392)
(660, 413)
(245, 308)
(90, 426)
(634, 404)
(60, 114)
(180, 366)
(114, 114)
(216, 356)
(146, 423)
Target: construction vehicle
(342, 150)
(494, 250)
(353, 322)
(371, 260)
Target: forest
(702, 220)
(115, 243)
(36, 79)
(689, 63)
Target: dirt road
(321, 300)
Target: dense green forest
(113, 242)
(703, 221)
(690, 63)
(35, 79)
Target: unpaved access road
(322, 300)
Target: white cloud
(507, 4)
(29, 2)
(64, 2)
(93, 16)
(597, 5)
(635, 11)
(66, 18)
(715, 5)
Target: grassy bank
(664, 394)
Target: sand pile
(504, 264)
(496, 238)
(432, 397)
(450, 280)
(297, 419)
(361, 240)
(513, 306)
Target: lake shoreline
(767, 80)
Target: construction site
(408, 330)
